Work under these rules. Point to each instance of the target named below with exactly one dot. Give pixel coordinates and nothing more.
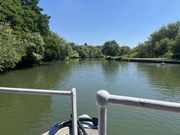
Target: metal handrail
(71, 93)
(104, 98)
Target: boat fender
(54, 129)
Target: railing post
(71, 93)
(74, 111)
(102, 115)
(102, 102)
(103, 98)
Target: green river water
(33, 114)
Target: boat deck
(67, 131)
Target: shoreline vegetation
(26, 40)
(149, 60)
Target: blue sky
(94, 22)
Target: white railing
(103, 98)
(71, 93)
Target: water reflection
(110, 71)
(20, 113)
(44, 77)
(38, 113)
(32, 114)
(164, 80)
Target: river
(32, 114)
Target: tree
(173, 29)
(12, 12)
(161, 47)
(52, 47)
(81, 51)
(110, 48)
(34, 20)
(176, 47)
(11, 49)
(140, 51)
(124, 50)
(68, 50)
(161, 43)
(34, 49)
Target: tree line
(163, 43)
(26, 39)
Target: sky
(128, 22)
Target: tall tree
(161, 43)
(161, 47)
(11, 49)
(34, 49)
(124, 50)
(110, 48)
(176, 47)
(52, 47)
(33, 18)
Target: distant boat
(161, 64)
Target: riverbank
(151, 60)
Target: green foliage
(26, 21)
(162, 43)
(33, 18)
(111, 48)
(11, 11)
(25, 38)
(53, 47)
(34, 49)
(88, 51)
(24, 15)
(176, 47)
(140, 51)
(68, 50)
(161, 47)
(29, 2)
(124, 50)
(11, 49)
